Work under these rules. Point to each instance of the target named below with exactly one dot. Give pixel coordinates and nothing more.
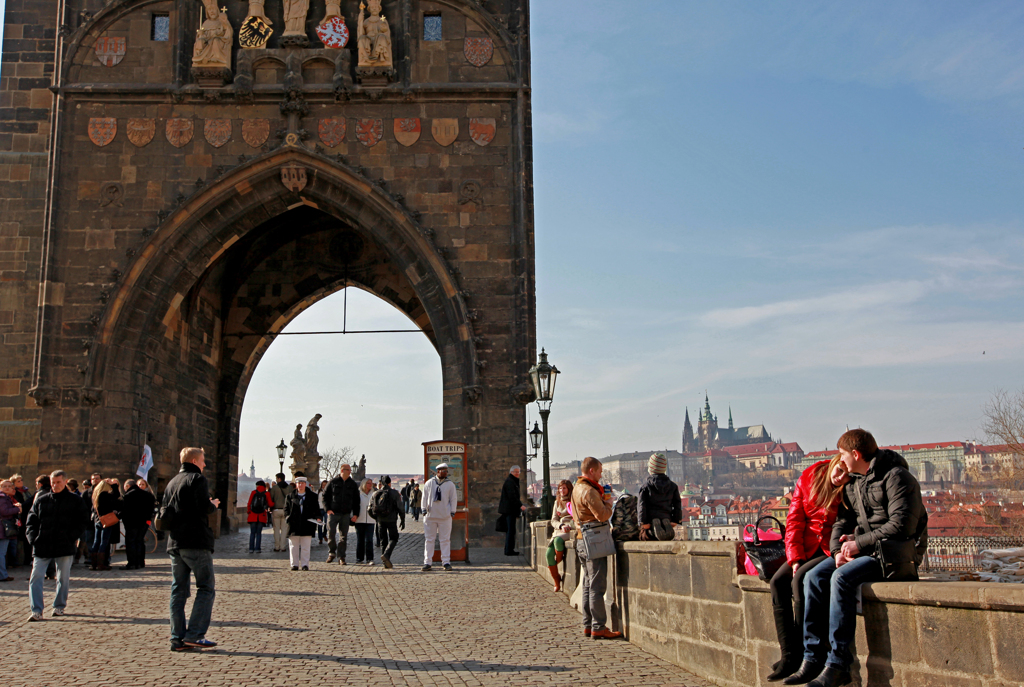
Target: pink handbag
(763, 535)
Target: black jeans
(364, 542)
(388, 537)
(135, 544)
(510, 533)
(788, 606)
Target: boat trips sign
(453, 453)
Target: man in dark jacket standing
(341, 500)
(136, 514)
(510, 507)
(659, 506)
(53, 527)
(877, 535)
(186, 513)
(386, 508)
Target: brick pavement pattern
(492, 622)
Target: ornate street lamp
(535, 437)
(543, 376)
(281, 448)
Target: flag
(146, 463)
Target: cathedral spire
(730, 416)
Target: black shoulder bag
(897, 558)
(767, 556)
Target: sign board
(453, 453)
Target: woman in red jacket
(812, 511)
(258, 509)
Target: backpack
(383, 504)
(625, 525)
(259, 503)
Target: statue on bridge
(298, 445)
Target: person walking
(258, 510)
(510, 506)
(386, 509)
(53, 527)
(659, 506)
(186, 511)
(365, 524)
(414, 498)
(279, 498)
(812, 510)
(341, 500)
(136, 513)
(10, 513)
(107, 504)
(321, 529)
(303, 515)
(591, 504)
(439, 503)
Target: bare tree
(332, 459)
(1004, 424)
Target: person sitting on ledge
(879, 533)
(659, 506)
(561, 521)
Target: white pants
(298, 550)
(441, 530)
(280, 530)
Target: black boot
(792, 648)
(831, 677)
(808, 671)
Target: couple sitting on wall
(853, 519)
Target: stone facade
(179, 223)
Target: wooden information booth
(453, 453)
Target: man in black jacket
(341, 500)
(136, 514)
(53, 527)
(510, 506)
(386, 509)
(659, 506)
(879, 534)
(186, 514)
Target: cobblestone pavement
(493, 622)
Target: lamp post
(535, 439)
(281, 448)
(543, 376)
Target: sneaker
(200, 643)
(35, 617)
(305, 567)
(425, 568)
(370, 562)
(447, 567)
(178, 645)
(342, 562)
(57, 613)
(330, 557)
(386, 561)
(295, 567)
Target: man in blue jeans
(881, 507)
(185, 515)
(53, 528)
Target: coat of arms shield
(333, 33)
(445, 131)
(254, 33)
(481, 130)
(141, 131)
(293, 177)
(332, 131)
(255, 132)
(369, 131)
(110, 50)
(179, 131)
(217, 131)
(102, 130)
(407, 130)
(478, 50)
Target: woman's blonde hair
(101, 488)
(823, 492)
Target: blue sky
(811, 210)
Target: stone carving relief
(141, 131)
(445, 131)
(478, 51)
(298, 445)
(102, 130)
(407, 130)
(255, 132)
(179, 131)
(213, 39)
(217, 131)
(369, 131)
(469, 192)
(295, 12)
(332, 131)
(112, 194)
(294, 178)
(110, 50)
(482, 129)
(373, 38)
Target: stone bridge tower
(170, 199)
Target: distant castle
(710, 436)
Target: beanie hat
(657, 464)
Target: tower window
(161, 28)
(432, 27)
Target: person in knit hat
(659, 506)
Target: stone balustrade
(684, 602)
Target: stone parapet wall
(684, 602)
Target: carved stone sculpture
(374, 37)
(298, 445)
(312, 435)
(295, 23)
(360, 472)
(213, 40)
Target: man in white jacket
(439, 499)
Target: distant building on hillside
(944, 461)
(709, 435)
